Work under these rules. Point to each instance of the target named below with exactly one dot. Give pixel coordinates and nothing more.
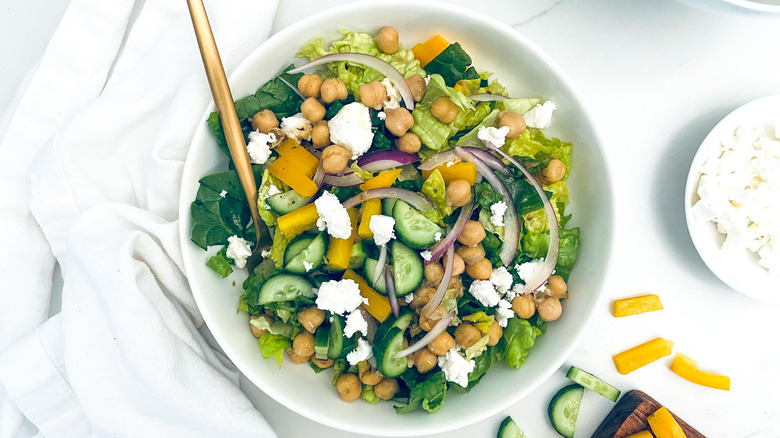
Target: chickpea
(557, 286)
(398, 121)
(256, 331)
(458, 265)
(386, 389)
(555, 171)
(310, 85)
(458, 193)
(495, 333)
(457, 285)
(327, 363)
(416, 84)
(368, 375)
(472, 233)
(335, 158)
(428, 321)
(387, 40)
(311, 318)
(514, 121)
(434, 273)
(303, 344)
(320, 134)
(312, 110)
(471, 254)
(480, 270)
(373, 95)
(444, 109)
(441, 344)
(421, 297)
(333, 89)
(348, 387)
(550, 309)
(297, 359)
(264, 121)
(409, 142)
(467, 335)
(424, 360)
(524, 306)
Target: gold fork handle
(223, 99)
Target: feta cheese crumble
(340, 296)
(333, 216)
(307, 266)
(497, 211)
(504, 312)
(259, 146)
(361, 352)
(297, 127)
(501, 279)
(539, 116)
(495, 136)
(382, 115)
(351, 128)
(484, 292)
(426, 255)
(437, 236)
(409, 298)
(527, 270)
(272, 190)
(239, 250)
(455, 367)
(265, 253)
(223, 193)
(356, 322)
(393, 99)
(382, 227)
(739, 190)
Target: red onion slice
(487, 97)
(439, 248)
(553, 248)
(436, 299)
(511, 221)
(294, 88)
(318, 178)
(343, 180)
(430, 336)
(391, 296)
(437, 160)
(377, 64)
(380, 264)
(449, 155)
(414, 199)
(491, 160)
(385, 159)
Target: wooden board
(629, 416)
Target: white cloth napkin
(90, 166)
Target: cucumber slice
(408, 271)
(312, 254)
(413, 228)
(593, 383)
(286, 202)
(564, 408)
(339, 345)
(321, 342)
(358, 255)
(284, 287)
(368, 274)
(402, 322)
(296, 247)
(509, 429)
(388, 340)
(387, 206)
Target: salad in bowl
(418, 213)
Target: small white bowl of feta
(732, 199)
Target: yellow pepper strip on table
(374, 206)
(425, 52)
(378, 306)
(663, 425)
(688, 369)
(641, 434)
(641, 355)
(463, 170)
(298, 221)
(340, 250)
(636, 305)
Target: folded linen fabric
(91, 159)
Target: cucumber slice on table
(564, 408)
(413, 228)
(305, 251)
(593, 383)
(509, 429)
(286, 202)
(407, 268)
(284, 287)
(388, 340)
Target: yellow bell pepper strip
(425, 52)
(636, 305)
(298, 221)
(371, 207)
(463, 170)
(384, 179)
(299, 156)
(378, 306)
(293, 175)
(641, 355)
(663, 425)
(641, 434)
(340, 250)
(688, 369)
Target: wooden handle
(223, 99)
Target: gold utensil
(223, 99)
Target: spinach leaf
(485, 195)
(453, 64)
(427, 394)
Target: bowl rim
(610, 216)
(703, 233)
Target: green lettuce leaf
(433, 188)
(470, 138)
(520, 106)
(279, 246)
(274, 345)
(220, 264)
(367, 394)
(427, 394)
(268, 180)
(535, 246)
(520, 335)
(433, 133)
(483, 363)
(535, 221)
(532, 143)
(484, 220)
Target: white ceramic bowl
(526, 71)
(756, 8)
(736, 267)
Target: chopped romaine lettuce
(533, 143)
(520, 335)
(274, 345)
(220, 264)
(266, 182)
(434, 189)
(433, 133)
(278, 248)
(535, 246)
(520, 106)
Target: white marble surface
(659, 75)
